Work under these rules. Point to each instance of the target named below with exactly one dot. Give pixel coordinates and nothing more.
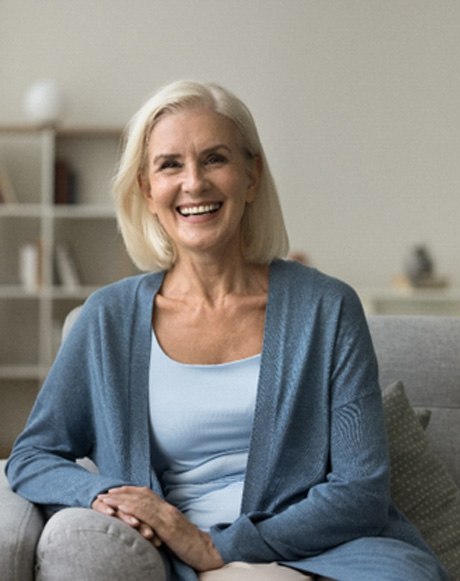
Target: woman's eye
(215, 158)
(169, 164)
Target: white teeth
(203, 209)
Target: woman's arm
(352, 500)
(62, 425)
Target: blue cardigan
(316, 493)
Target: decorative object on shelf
(66, 267)
(44, 102)
(29, 267)
(7, 192)
(65, 183)
(420, 270)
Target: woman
(230, 401)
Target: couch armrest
(21, 524)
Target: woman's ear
(144, 185)
(255, 175)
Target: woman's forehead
(197, 127)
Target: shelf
(411, 301)
(17, 292)
(79, 293)
(20, 210)
(85, 211)
(27, 372)
(65, 130)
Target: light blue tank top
(201, 420)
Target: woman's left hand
(187, 541)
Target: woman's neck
(214, 281)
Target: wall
(357, 101)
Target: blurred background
(357, 103)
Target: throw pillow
(424, 417)
(420, 484)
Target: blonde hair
(264, 233)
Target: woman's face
(199, 181)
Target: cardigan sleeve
(62, 425)
(353, 499)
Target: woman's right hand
(144, 529)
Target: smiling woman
(264, 236)
(230, 402)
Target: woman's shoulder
(305, 291)
(127, 288)
(298, 278)
(121, 299)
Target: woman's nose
(194, 180)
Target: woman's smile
(203, 209)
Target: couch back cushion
(424, 353)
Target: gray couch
(423, 353)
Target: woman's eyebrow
(165, 156)
(215, 147)
(168, 156)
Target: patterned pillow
(424, 417)
(420, 484)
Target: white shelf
(79, 293)
(87, 211)
(23, 372)
(21, 210)
(17, 292)
(31, 320)
(411, 301)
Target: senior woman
(228, 398)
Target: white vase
(44, 102)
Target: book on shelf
(30, 266)
(7, 191)
(66, 267)
(65, 183)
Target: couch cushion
(420, 484)
(21, 526)
(424, 353)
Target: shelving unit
(389, 301)
(31, 318)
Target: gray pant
(81, 544)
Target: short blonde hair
(264, 233)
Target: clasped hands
(160, 522)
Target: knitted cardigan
(316, 492)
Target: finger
(129, 519)
(146, 531)
(108, 500)
(125, 489)
(103, 508)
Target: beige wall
(357, 101)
